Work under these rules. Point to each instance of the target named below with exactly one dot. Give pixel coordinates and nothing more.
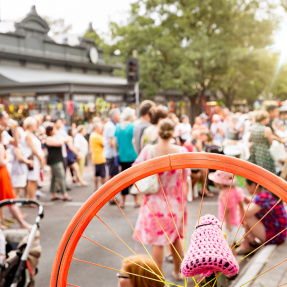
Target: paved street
(57, 217)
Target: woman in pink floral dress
(147, 227)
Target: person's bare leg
(16, 213)
(259, 230)
(195, 178)
(157, 255)
(1, 214)
(3, 227)
(17, 191)
(27, 189)
(123, 201)
(32, 189)
(168, 251)
(96, 183)
(136, 200)
(76, 170)
(176, 258)
(202, 180)
(103, 180)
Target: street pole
(137, 88)
(137, 94)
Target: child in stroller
(20, 251)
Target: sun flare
(281, 43)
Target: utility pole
(137, 93)
(137, 88)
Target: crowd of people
(122, 140)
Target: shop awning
(24, 75)
(28, 80)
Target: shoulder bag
(148, 185)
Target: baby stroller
(23, 251)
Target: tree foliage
(91, 34)
(195, 45)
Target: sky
(77, 13)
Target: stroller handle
(24, 202)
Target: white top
(278, 153)
(217, 137)
(6, 138)
(81, 144)
(109, 132)
(184, 130)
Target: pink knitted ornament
(208, 251)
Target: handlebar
(24, 202)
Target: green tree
(195, 45)
(279, 83)
(91, 34)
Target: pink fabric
(236, 196)
(208, 251)
(147, 227)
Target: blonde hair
(127, 113)
(166, 129)
(29, 122)
(80, 128)
(260, 116)
(142, 261)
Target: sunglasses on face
(120, 276)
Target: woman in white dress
(34, 152)
(19, 168)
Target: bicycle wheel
(101, 197)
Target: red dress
(6, 189)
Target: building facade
(39, 75)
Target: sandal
(10, 220)
(137, 205)
(67, 199)
(6, 223)
(169, 258)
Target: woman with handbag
(147, 227)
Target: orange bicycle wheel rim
(91, 207)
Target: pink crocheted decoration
(208, 251)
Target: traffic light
(132, 70)
(131, 97)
